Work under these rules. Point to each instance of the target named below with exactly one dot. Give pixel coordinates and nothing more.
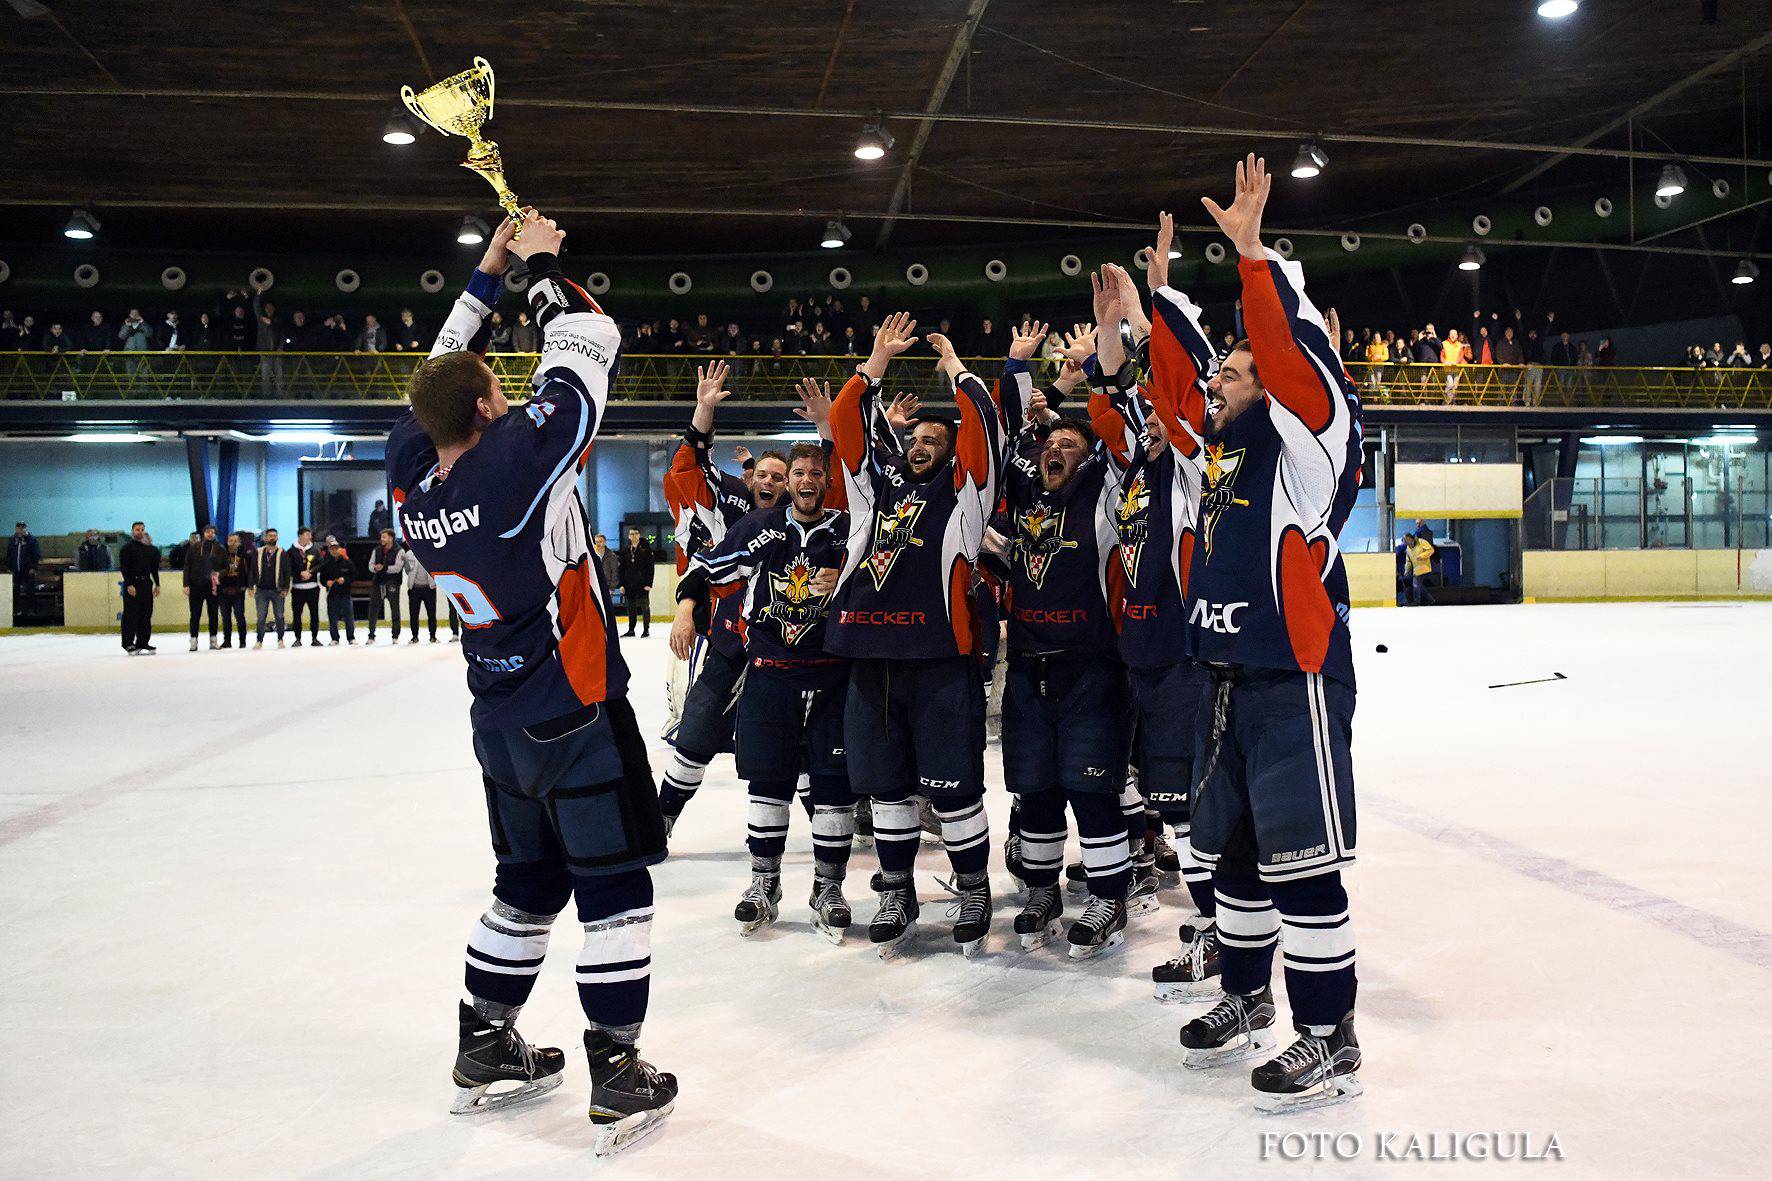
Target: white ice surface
(237, 886)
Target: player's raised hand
(497, 259)
(1131, 304)
(1038, 410)
(741, 455)
(710, 384)
(815, 401)
(1156, 271)
(946, 358)
(1241, 223)
(1025, 340)
(904, 407)
(1334, 322)
(1106, 295)
(1079, 345)
(896, 335)
(540, 236)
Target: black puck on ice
(1384, 648)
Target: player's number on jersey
(471, 603)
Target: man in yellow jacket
(1421, 566)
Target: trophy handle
(485, 68)
(411, 101)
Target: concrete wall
(1647, 574)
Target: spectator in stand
(270, 580)
(240, 329)
(380, 519)
(12, 333)
(1533, 349)
(990, 341)
(1452, 358)
(608, 561)
(1420, 546)
(1765, 361)
(96, 337)
(732, 340)
(304, 584)
(268, 336)
(1427, 347)
(1605, 356)
(57, 340)
(1378, 354)
(408, 336)
(233, 576)
(336, 573)
(866, 321)
(1560, 354)
(498, 338)
(1483, 353)
(387, 571)
(202, 560)
(139, 568)
(94, 555)
(523, 335)
(852, 344)
(637, 568)
(373, 338)
(22, 551)
(644, 340)
(299, 337)
(1714, 357)
(173, 336)
(134, 334)
(335, 334)
(1508, 352)
(421, 591)
(1739, 357)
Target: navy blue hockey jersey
(503, 531)
(1063, 566)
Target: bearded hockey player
(1267, 614)
(790, 710)
(488, 500)
(903, 615)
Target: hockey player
(1149, 432)
(1267, 613)
(914, 723)
(706, 501)
(790, 710)
(1066, 712)
(488, 502)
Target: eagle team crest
(1221, 477)
(1040, 538)
(1132, 522)
(793, 605)
(893, 531)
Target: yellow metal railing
(186, 376)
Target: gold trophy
(460, 105)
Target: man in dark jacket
(202, 559)
(139, 566)
(94, 554)
(270, 581)
(636, 568)
(304, 574)
(22, 552)
(387, 572)
(336, 572)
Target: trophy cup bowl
(460, 105)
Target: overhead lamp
(1556, 10)
(874, 143)
(81, 227)
(1311, 160)
(1745, 272)
(109, 437)
(398, 130)
(1611, 440)
(1472, 260)
(835, 234)
(473, 231)
(1726, 441)
(1174, 253)
(1672, 183)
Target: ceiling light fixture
(81, 227)
(874, 143)
(1745, 272)
(473, 231)
(398, 130)
(1472, 260)
(1556, 10)
(835, 234)
(1311, 161)
(1672, 183)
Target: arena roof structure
(722, 125)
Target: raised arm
(465, 326)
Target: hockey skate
(1168, 862)
(1141, 897)
(830, 910)
(1101, 927)
(496, 1056)
(1314, 1071)
(1042, 920)
(896, 918)
(1012, 862)
(757, 908)
(1193, 975)
(629, 1099)
(1237, 1028)
(1076, 878)
(970, 910)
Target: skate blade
(971, 947)
(1261, 1042)
(1196, 993)
(1035, 940)
(623, 1134)
(746, 930)
(890, 949)
(1169, 877)
(1089, 952)
(834, 934)
(1143, 904)
(1071, 887)
(1337, 1090)
(473, 1100)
